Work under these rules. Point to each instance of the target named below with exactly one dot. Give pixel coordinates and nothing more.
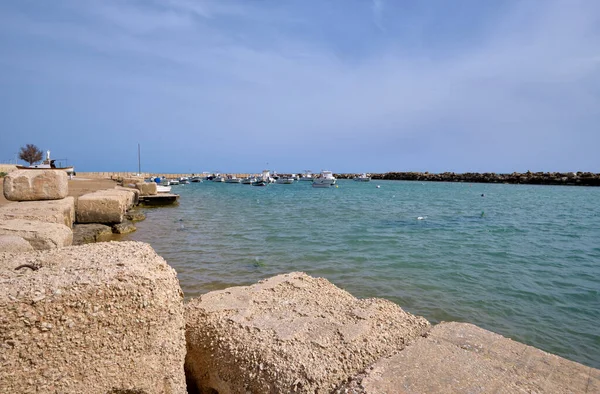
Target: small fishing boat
(173, 181)
(218, 178)
(259, 182)
(306, 177)
(196, 178)
(48, 164)
(163, 189)
(184, 180)
(362, 178)
(285, 180)
(249, 180)
(264, 180)
(232, 179)
(326, 179)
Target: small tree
(30, 153)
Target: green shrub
(3, 174)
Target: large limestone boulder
(289, 333)
(91, 232)
(51, 211)
(147, 188)
(104, 206)
(40, 235)
(14, 244)
(33, 185)
(463, 358)
(99, 318)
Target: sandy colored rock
(89, 233)
(289, 333)
(51, 211)
(40, 235)
(34, 185)
(147, 188)
(135, 216)
(133, 195)
(100, 318)
(14, 244)
(463, 358)
(104, 206)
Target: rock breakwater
(528, 178)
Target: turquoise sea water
(522, 260)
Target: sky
(344, 85)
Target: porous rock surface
(147, 188)
(463, 358)
(104, 206)
(98, 318)
(40, 235)
(289, 333)
(51, 211)
(14, 244)
(33, 185)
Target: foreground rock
(100, 318)
(34, 185)
(290, 333)
(51, 211)
(104, 206)
(463, 358)
(40, 235)
(14, 244)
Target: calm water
(523, 261)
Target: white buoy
(378, 186)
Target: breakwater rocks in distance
(531, 178)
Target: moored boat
(326, 179)
(306, 177)
(232, 179)
(362, 178)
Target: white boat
(362, 178)
(285, 180)
(48, 164)
(163, 189)
(306, 177)
(326, 179)
(218, 178)
(232, 179)
(173, 181)
(249, 180)
(196, 178)
(184, 180)
(264, 179)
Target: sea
(519, 260)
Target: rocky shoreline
(526, 178)
(110, 317)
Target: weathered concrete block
(104, 206)
(40, 235)
(99, 318)
(131, 181)
(133, 195)
(289, 333)
(51, 211)
(33, 185)
(463, 358)
(14, 244)
(146, 188)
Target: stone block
(289, 333)
(34, 185)
(463, 358)
(51, 211)
(132, 194)
(14, 244)
(40, 235)
(104, 206)
(97, 319)
(146, 188)
(131, 181)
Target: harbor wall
(533, 178)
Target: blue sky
(346, 85)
